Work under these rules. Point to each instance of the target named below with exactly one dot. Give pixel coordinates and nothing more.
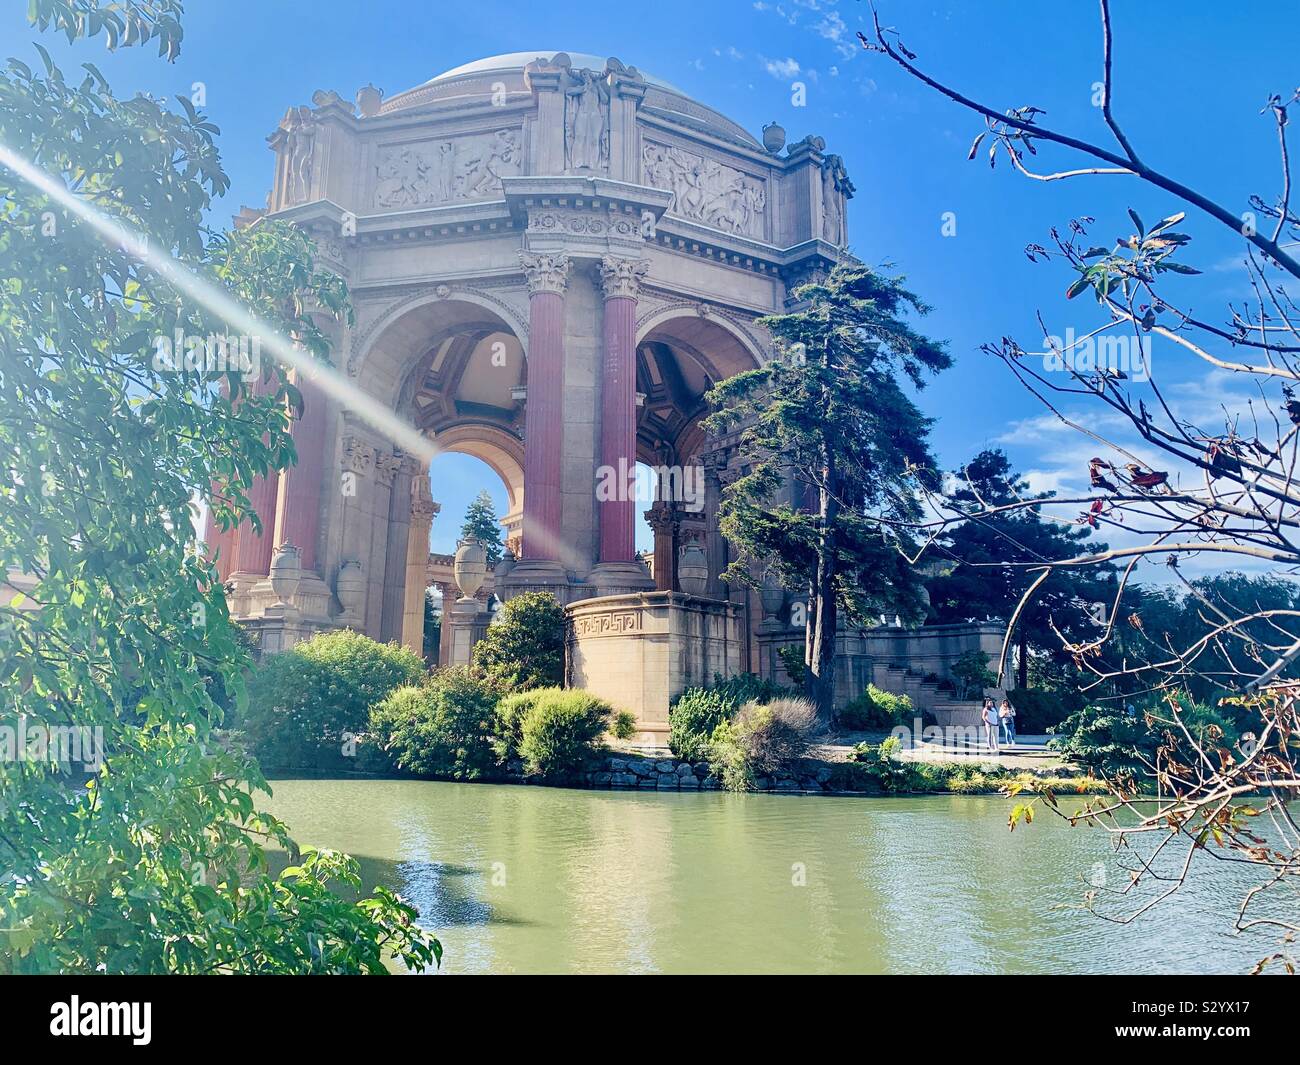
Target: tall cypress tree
(992, 555)
(481, 521)
(830, 445)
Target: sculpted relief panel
(445, 171)
(705, 190)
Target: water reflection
(518, 879)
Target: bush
(561, 732)
(1114, 743)
(509, 720)
(972, 674)
(624, 726)
(524, 647)
(697, 712)
(875, 709)
(792, 658)
(764, 740)
(303, 701)
(442, 728)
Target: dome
(469, 80)
(510, 61)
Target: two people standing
(998, 721)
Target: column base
(620, 578)
(534, 575)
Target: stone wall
(639, 651)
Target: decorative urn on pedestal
(286, 573)
(773, 137)
(470, 567)
(350, 587)
(772, 595)
(692, 568)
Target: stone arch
(691, 320)
(502, 452)
(386, 351)
(682, 351)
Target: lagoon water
(539, 880)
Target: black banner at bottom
(151, 1014)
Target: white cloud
(782, 69)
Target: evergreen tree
(830, 444)
(481, 522)
(989, 577)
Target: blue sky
(1191, 78)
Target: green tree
(991, 556)
(157, 862)
(524, 646)
(304, 704)
(830, 441)
(481, 522)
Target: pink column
(620, 278)
(300, 497)
(544, 417)
(253, 553)
(222, 545)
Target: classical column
(619, 568)
(547, 276)
(405, 472)
(253, 552)
(298, 520)
(664, 520)
(423, 511)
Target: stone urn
(470, 568)
(773, 137)
(772, 595)
(692, 568)
(350, 587)
(368, 100)
(286, 573)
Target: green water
(527, 880)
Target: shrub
(972, 674)
(876, 709)
(883, 769)
(524, 646)
(697, 712)
(765, 739)
(303, 701)
(624, 726)
(442, 728)
(561, 732)
(1114, 743)
(792, 656)
(509, 720)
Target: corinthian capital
(545, 272)
(622, 277)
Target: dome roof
(471, 79)
(519, 60)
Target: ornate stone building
(552, 258)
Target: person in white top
(989, 715)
